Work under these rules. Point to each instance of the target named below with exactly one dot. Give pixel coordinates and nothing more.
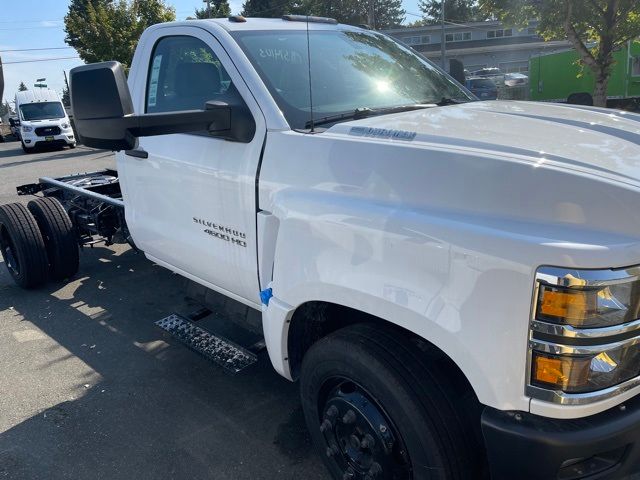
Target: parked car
(488, 72)
(515, 79)
(483, 88)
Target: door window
(184, 74)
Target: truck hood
(53, 122)
(595, 141)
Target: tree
(5, 109)
(454, 10)
(268, 8)
(595, 28)
(219, 9)
(66, 95)
(386, 13)
(103, 30)
(22, 87)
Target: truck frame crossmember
(92, 200)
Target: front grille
(47, 131)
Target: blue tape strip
(265, 296)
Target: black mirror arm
(151, 124)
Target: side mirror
(105, 118)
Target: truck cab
(454, 283)
(43, 120)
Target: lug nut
(367, 441)
(332, 450)
(349, 417)
(355, 442)
(325, 426)
(332, 411)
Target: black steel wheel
(376, 411)
(22, 246)
(59, 237)
(361, 439)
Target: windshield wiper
(364, 112)
(449, 101)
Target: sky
(37, 24)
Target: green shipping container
(556, 76)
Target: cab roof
(261, 24)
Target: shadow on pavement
(26, 158)
(156, 410)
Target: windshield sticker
(281, 55)
(153, 84)
(382, 133)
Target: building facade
(480, 44)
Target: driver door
(190, 204)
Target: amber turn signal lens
(567, 304)
(562, 373)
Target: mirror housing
(104, 115)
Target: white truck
(43, 121)
(454, 283)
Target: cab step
(219, 350)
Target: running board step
(220, 351)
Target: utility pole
(443, 40)
(208, 2)
(371, 20)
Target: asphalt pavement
(90, 388)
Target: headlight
(590, 306)
(585, 334)
(27, 129)
(65, 126)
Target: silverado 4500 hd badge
(223, 233)
(382, 133)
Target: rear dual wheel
(22, 246)
(38, 243)
(59, 237)
(377, 410)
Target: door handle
(137, 153)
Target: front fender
(394, 263)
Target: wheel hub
(9, 257)
(360, 438)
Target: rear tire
(395, 396)
(59, 237)
(22, 246)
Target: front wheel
(376, 410)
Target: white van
(43, 120)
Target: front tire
(376, 409)
(22, 246)
(59, 237)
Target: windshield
(42, 110)
(349, 70)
